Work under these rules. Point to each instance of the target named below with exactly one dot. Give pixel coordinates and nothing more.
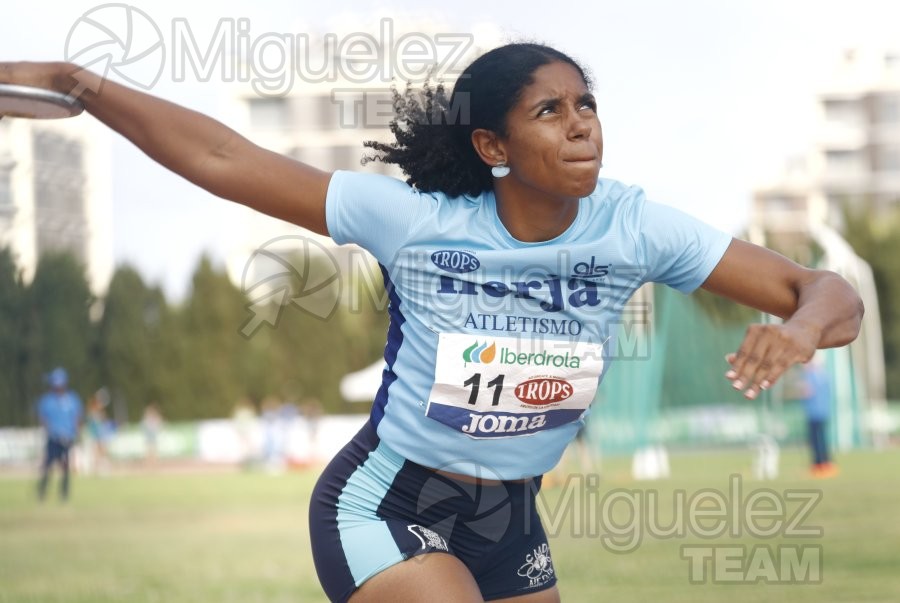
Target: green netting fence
(666, 386)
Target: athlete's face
(554, 143)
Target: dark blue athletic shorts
(372, 509)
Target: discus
(36, 103)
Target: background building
(858, 150)
(855, 157)
(854, 161)
(55, 194)
(324, 121)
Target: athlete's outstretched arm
(820, 310)
(199, 148)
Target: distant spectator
(244, 418)
(99, 429)
(816, 397)
(288, 413)
(151, 425)
(273, 445)
(60, 411)
(312, 412)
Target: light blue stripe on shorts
(366, 539)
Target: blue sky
(700, 101)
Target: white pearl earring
(501, 170)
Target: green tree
(57, 326)
(13, 405)
(166, 349)
(129, 342)
(215, 355)
(309, 355)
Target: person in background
(312, 412)
(60, 412)
(816, 397)
(244, 419)
(99, 430)
(151, 425)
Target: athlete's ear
(489, 147)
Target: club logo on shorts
(538, 566)
(429, 538)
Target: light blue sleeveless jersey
(496, 346)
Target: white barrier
(277, 442)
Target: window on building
(59, 182)
(888, 108)
(889, 159)
(329, 112)
(842, 160)
(347, 157)
(6, 199)
(783, 203)
(315, 112)
(269, 113)
(379, 110)
(843, 112)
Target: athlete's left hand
(820, 310)
(768, 350)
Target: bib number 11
(475, 382)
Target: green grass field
(243, 537)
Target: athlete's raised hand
(201, 149)
(820, 309)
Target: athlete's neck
(532, 217)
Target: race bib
(503, 387)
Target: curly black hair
(433, 133)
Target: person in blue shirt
(816, 398)
(60, 412)
(507, 261)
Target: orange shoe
(830, 470)
(824, 470)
